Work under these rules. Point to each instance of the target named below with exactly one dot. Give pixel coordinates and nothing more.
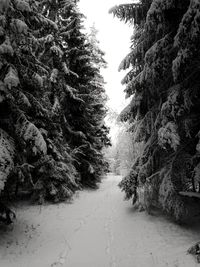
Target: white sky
(114, 36)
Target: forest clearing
(97, 229)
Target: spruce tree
(163, 110)
(88, 130)
(43, 165)
(49, 138)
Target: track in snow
(98, 230)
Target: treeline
(163, 84)
(52, 101)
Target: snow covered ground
(98, 229)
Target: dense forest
(162, 83)
(52, 101)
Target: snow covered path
(98, 229)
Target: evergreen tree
(51, 125)
(164, 108)
(43, 164)
(87, 119)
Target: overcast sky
(114, 37)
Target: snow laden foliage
(129, 185)
(11, 79)
(7, 153)
(168, 135)
(163, 83)
(6, 48)
(186, 41)
(31, 135)
(52, 101)
(4, 5)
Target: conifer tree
(87, 119)
(49, 140)
(32, 116)
(163, 110)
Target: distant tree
(124, 150)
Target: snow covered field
(98, 229)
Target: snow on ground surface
(98, 229)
